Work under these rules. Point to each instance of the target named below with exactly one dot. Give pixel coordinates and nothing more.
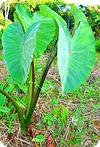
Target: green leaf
(64, 112)
(39, 17)
(78, 15)
(44, 35)
(15, 49)
(76, 56)
(46, 11)
(54, 101)
(20, 104)
(2, 100)
(23, 16)
(26, 19)
(10, 83)
(56, 111)
(4, 109)
(23, 87)
(19, 47)
(39, 138)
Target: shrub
(93, 17)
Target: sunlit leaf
(76, 56)
(23, 16)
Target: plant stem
(30, 94)
(33, 80)
(20, 114)
(9, 97)
(44, 76)
(36, 95)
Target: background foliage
(92, 13)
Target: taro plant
(26, 39)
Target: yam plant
(27, 38)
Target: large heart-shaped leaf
(23, 16)
(19, 47)
(17, 52)
(46, 11)
(78, 15)
(44, 35)
(75, 56)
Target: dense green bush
(93, 17)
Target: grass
(59, 120)
(81, 123)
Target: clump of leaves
(25, 40)
(39, 138)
